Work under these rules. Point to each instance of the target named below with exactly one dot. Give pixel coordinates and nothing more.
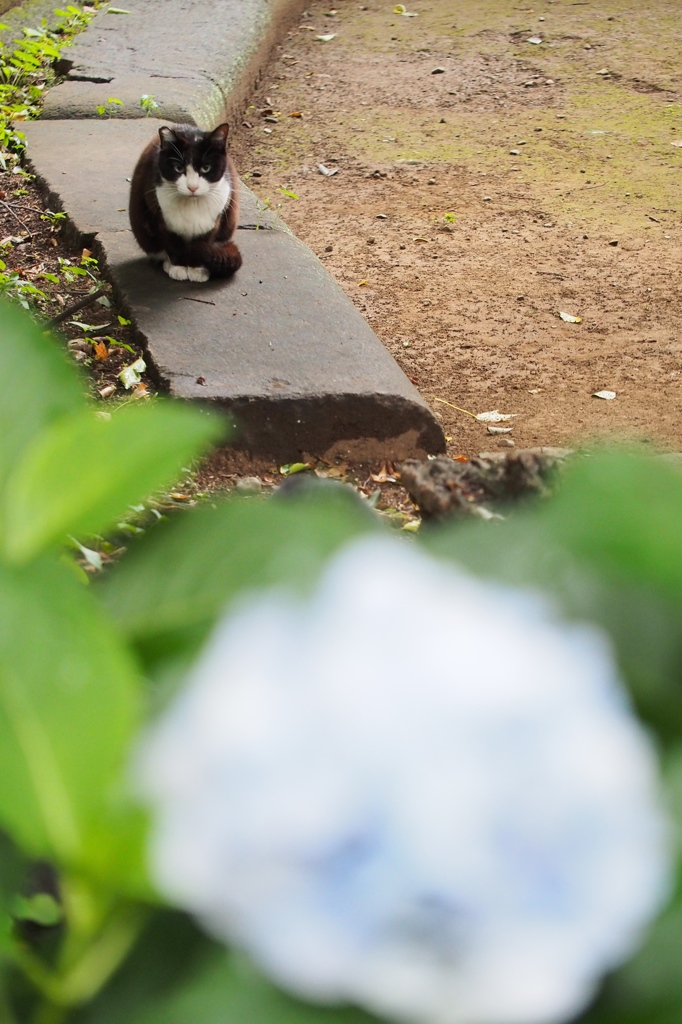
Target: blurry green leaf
(621, 514)
(37, 384)
(41, 908)
(294, 467)
(69, 705)
(81, 474)
(218, 553)
(12, 875)
(169, 953)
(227, 990)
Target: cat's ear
(219, 135)
(167, 136)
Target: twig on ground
(74, 307)
(17, 218)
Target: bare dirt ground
(485, 184)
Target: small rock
(438, 71)
(256, 174)
(506, 442)
(401, 247)
(431, 181)
(442, 121)
(487, 199)
(329, 248)
(614, 241)
(249, 485)
(370, 241)
(514, 152)
(201, 381)
(382, 216)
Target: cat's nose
(193, 188)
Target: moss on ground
(598, 152)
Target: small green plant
(17, 289)
(52, 217)
(108, 109)
(26, 67)
(148, 104)
(449, 218)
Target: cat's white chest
(192, 216)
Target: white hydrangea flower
(415, 791)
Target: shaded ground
(482, 183)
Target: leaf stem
(456, 407)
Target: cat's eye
(206, 168)
(177, 166)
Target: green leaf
(37, 384)
(69, 706)
(81, 474)
(227, 990)
(12, 875)
(218, 553)
(621, 514)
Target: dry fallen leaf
(385, 475)
(326, 39)
(570, 319)
(499, 430)
(607, 395)
(296, 113)
(361, 283)
(101, 351)
(495, 416)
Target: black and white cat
(184, 203)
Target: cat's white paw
(197, 274)
(176, 273)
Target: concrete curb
(279, 346)
(200, 60)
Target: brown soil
(37, 252)
(472, 204)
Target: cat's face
(191, 160)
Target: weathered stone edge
(204, 101)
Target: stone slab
(200, 61)
(280, 345)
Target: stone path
(280, 345)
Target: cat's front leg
(180, 273)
